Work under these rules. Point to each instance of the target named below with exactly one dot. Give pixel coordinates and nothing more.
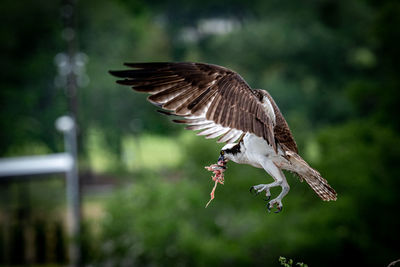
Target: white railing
(55, 163)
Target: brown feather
(281, 130)
(179, 100)
(311, 176)
(170, 93)
(196, 89)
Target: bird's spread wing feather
(209, 98)
(282, 132)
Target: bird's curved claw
(269, 207)
(253, 191)
(278, 209)
(272, 203)
(267, 198)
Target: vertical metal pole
(67, 125)
(70, 36)
(73, 195)
(68, 13)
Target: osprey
(218, 102)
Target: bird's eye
(222, 152)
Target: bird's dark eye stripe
(234, 150)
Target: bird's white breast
(255, 150)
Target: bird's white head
(229, 152)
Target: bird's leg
(280, 180)
(278, 200)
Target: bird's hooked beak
(221, 158)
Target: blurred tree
(30, 38)
(332, 67)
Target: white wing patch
(212, 130)
(209, 128)
(231, 136)
(269, 109)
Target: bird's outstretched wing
(282, 133)
(209, 98)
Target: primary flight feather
(218, 102)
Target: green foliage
(289, 262)
(29, 103)
(164, 213)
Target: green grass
(144, 152)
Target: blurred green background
(333, 69)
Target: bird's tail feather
(312, 177)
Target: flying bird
(219, 103)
